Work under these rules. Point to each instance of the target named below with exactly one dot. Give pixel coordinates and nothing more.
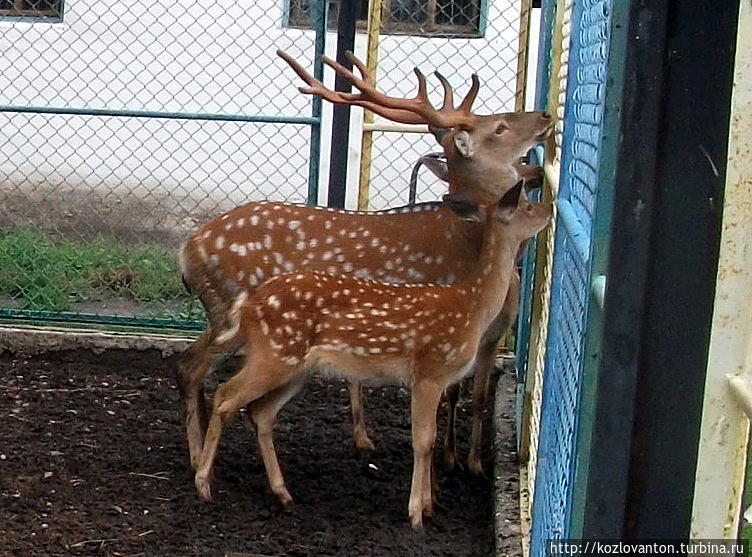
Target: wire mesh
(557, 65)
(456, 37)
(123, 126)
(571, 272)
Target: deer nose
(546, 116)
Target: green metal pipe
(320, 17)
(259, 118)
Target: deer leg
(425, 401)
(194, 364)
(484, 362)
(264, 412)
(360, 434)
(450, 448)
(252, 382)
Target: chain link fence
(125, 125)
(458, 38)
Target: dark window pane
(407, 11)
(33, 8)
(415, 17)
(456, 12)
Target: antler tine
(467, 103)
(355, 61)
(422, 94)
(297, 68)
(316, 87)
(448, 103)
(417, 110)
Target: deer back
(250, 244)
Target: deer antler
(417, 110)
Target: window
(32, 8)
(458, 18)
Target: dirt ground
(92, 462)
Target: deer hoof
(450, 460)
(475, 466)
(203, 486)
(283, 495)
(416, 521)
(428, 508)
(363, 443)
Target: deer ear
(436, 164)
(464, 144)
(466, 210)
(511, 200)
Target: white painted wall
(208, 57)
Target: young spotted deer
(423, 336)
(424, 243)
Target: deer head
(481, 150)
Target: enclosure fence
(456, 38)
(575, 36)
(125, 125)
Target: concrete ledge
(31, 341)
(524, 510)
(507, 539)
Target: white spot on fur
(219, 243)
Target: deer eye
(501, 129)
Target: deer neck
(487, 186)
(487, 285)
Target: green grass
(42, 274)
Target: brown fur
(424, 336)
(425, 243)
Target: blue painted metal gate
(571, 287)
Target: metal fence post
(314, 162)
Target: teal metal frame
(599, 257)
(38, 317)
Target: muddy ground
(92, 462)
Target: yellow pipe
(394, 127)
(522, 52)
(372, 62)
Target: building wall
(218, 57)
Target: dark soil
(92, 462)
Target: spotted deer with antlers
(238, 251)
(424, 336)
